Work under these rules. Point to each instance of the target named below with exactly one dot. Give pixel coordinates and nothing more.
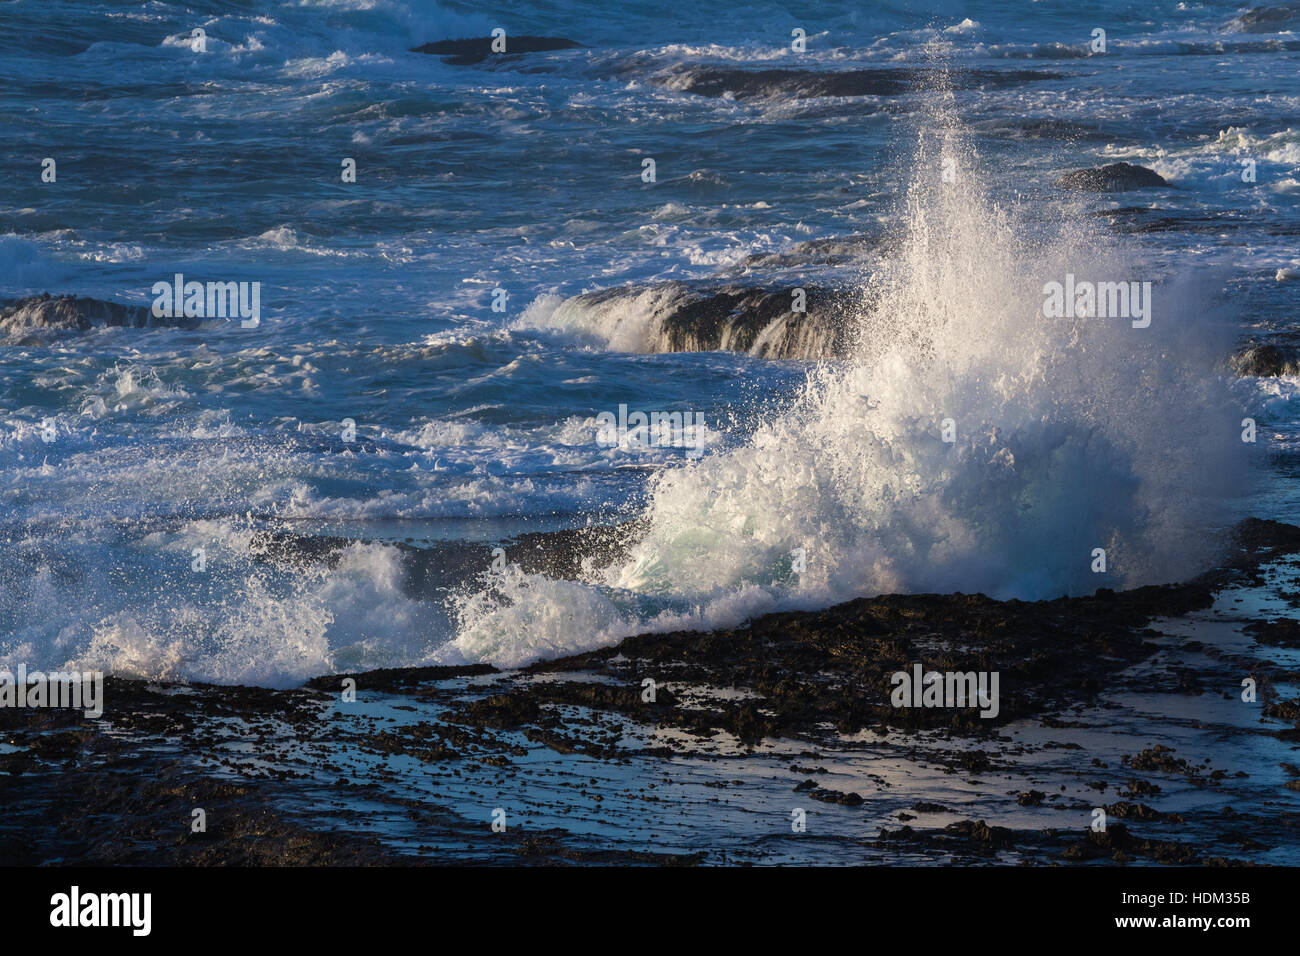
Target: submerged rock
(473, 50)
(829, 251)
(298, 776)
(742, 83)
(433, 566)
(74, 313)
(1264, 361)
(1113, 177)
(1267, 19)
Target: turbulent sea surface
(127, 453)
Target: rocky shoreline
(1123, 703)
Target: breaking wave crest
(1067, 435)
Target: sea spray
(246, 612)
(970, 444)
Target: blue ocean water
(526, 176)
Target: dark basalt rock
(435, 565)
(398, 680)
(1264, 361)
(757, 321)
(832, 250)
(736, 319)
(1150, 218)
(1267, 19)
(1113, 177)
(117, 814)
(1126, 810)
(1282, 632)
(472, 50)
(744, 84)
(1251, 543)
(834, 665)
(826, 795)
(75, 313)
(76, 793)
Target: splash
(970, 444)
(237, 619)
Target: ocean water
(817, 483)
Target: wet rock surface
(1264, 360)
(1268, 19)
(752, 83)
(689, 747)
(431, 567)
(1113, 177)
(471, 51)
(794, 321)
(23, 320)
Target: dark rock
(1125, 810)
(398, 680)
(980, 832)
(435, 566)
(1113, 177)
(923, 806)
(749, 83)
(836, 796)
(829, 250)
(1264, 360)
(1283, 632)
(1267, 19)
(472, 50)
(78, 792)
(677, 317)
(1284, 710)
(834, 665)
(1160, 758)
(24, 318)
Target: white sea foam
(259, 624)
(1071, 435)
